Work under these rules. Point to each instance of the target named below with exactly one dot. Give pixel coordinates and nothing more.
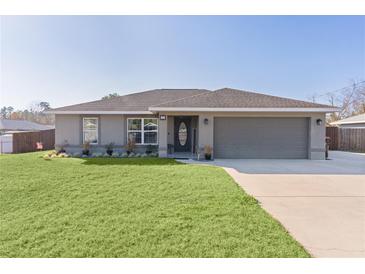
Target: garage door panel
(266, 138)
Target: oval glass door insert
(183, 134)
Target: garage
(261, 137)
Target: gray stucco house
(235, 123)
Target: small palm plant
(130, 146)
(86, 148)
(208, 152)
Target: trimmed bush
(115, 154)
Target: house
(8, 126)
(180, 122)
(357, 121)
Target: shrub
(109, 148)
(124, 154)
(130, 146)
(76, 154)
(149, 149)
(131, 154)
(62, 147)
(208, 152)
(86, 148)
(46, 157)
(115, 154)
(97, 154)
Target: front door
(182, 134)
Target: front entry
(182, 139)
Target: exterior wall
(68, 129)
(316, 138)
(112, 129)
(317, 135)
(206, 132)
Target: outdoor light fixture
(205, 121)
(319, 122)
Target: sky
(66, 60)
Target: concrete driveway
(320, 203)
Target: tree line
(35, 113)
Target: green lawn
(130, 208)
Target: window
(90, 130)
(143, 130)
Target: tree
(110, 95)
(10, 109)
(35, 113)
(44, 106)
(350, 101)
(3, 112)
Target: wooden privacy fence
(347, 139)
(27, 141)
(332, 134)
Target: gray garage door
(261, 138)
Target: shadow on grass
(130, 161)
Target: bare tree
(350, 101)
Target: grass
(130, 208)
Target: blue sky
(71, 59)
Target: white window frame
(84, 130)
(142, 130)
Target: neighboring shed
(357, 121)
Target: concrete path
(320, 203)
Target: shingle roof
(23, 125)
(233, 98)
(351, 120)
(134, 102)
(188, 98)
